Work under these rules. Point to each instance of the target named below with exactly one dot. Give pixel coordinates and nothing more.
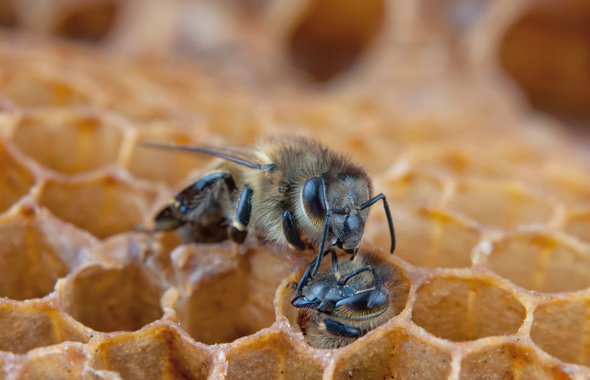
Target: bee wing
(240, 155)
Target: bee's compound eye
(313, 197)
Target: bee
(340, 305)
(290, 191)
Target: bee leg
(334, 259)
(321, 252)
(340, 329)
(361, 297)
(306, 275)
(239, 229)
(290, 231)
(170, 218)
(176, 213)
(372, 201)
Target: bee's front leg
(307, 274)
(239, 230)
(291, 233)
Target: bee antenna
(371, 202)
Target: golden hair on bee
(291, 191)
(339, 306)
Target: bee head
(322, 294)
(352, 296)
(341, 195)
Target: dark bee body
(291, 191)
(338, 307)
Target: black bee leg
(321, 252)
(170, 218)
(210, 179)
(340, 329)
(306, 275)
(334, 259)
(361, 297)
(176, 213)
(372, 201)
(290, 231)
(239, 229)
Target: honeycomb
(491, 206)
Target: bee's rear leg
(170, 218)
(177, 213)
(239, 230)
(340, 329)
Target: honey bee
(340, 305)
(290, 191)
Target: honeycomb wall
(492, 230)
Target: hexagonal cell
(568, 182)
(63, 361)
(33, 255)
(79, 140)
(8, 15)
(10, 116)
(225, 296)
(104, 206)
(398, 289)
(541, 262)
(561, 328)
(165, 165)
(393, 354)
(461, 160)
(158, 351)
(500, 360)
(119, 299)
(270, 355)
(324, 49)
(557, 86)
(501, 204)
(89, 22)
(233, 118)
(425, 237)
(34, 85)
(418, 184)
(33, 324)
(134, 96)
(578, 224)
(468, 308)
(15, 179)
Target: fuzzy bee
(340, 305)
(290, 191)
